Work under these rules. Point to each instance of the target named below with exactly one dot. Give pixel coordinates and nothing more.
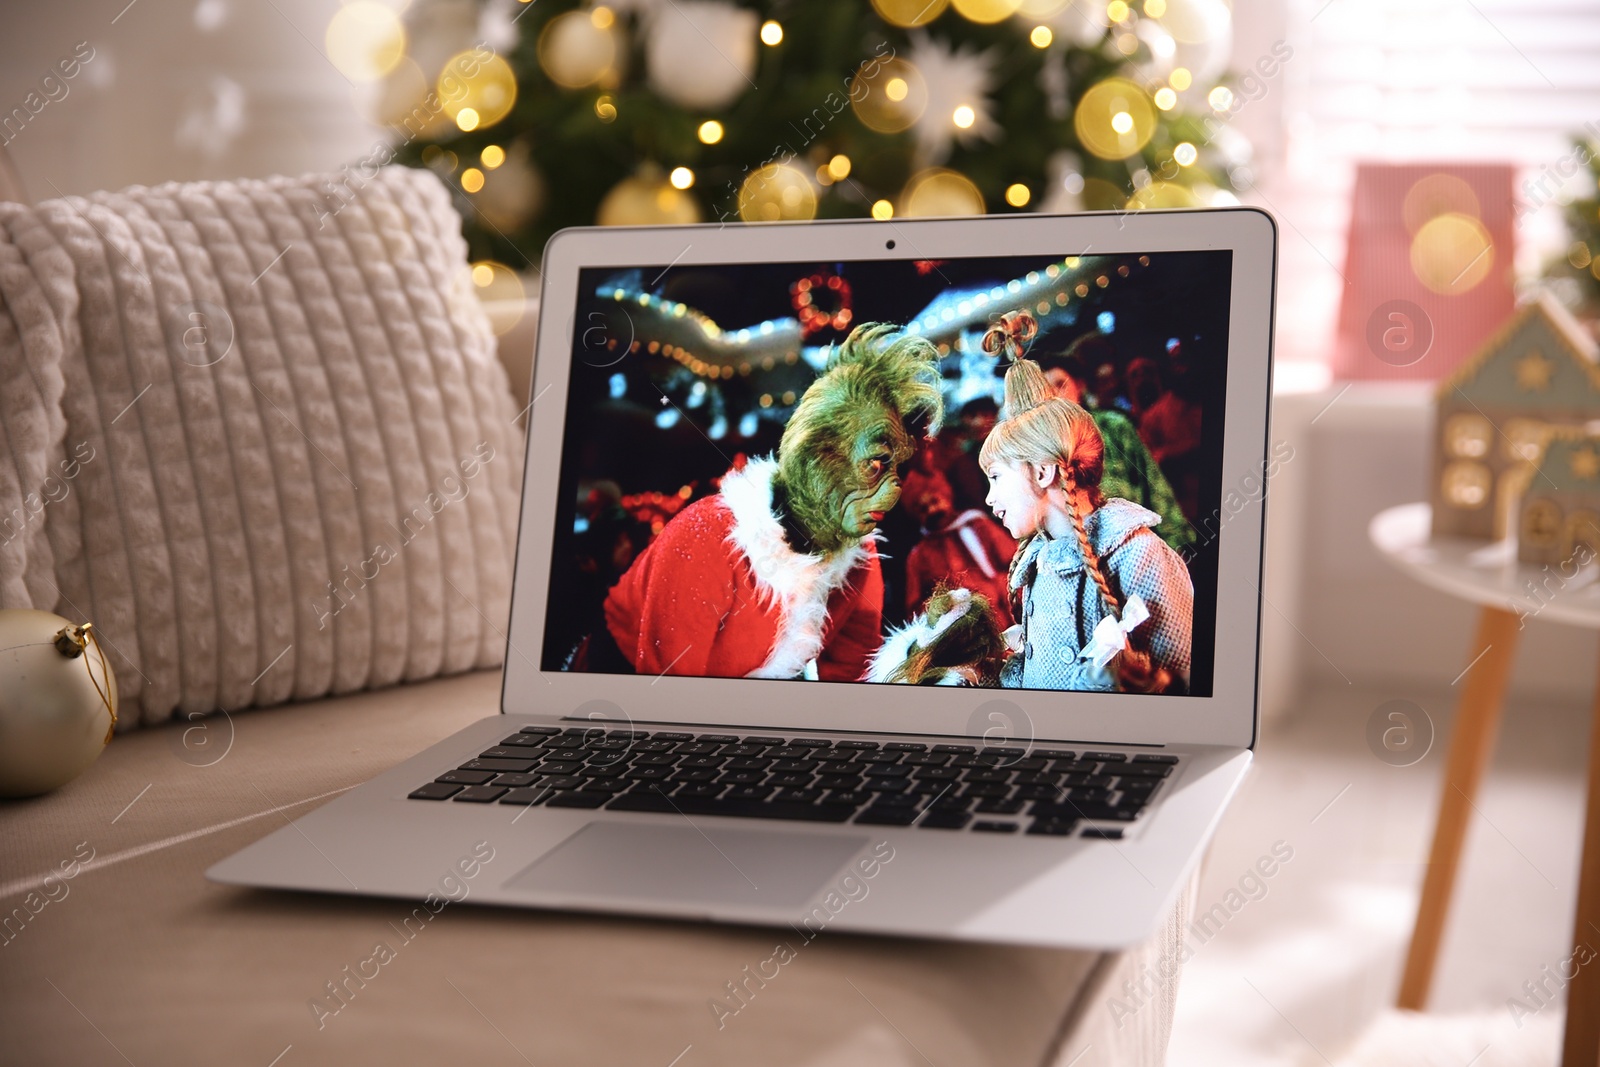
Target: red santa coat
(972, 552)
(720, 593)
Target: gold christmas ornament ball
(890, 96)
(647, 200)
(1114, 119)
(940, 192)
(777, 193)
(575, 50)
(58, 701)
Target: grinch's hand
(955, 641)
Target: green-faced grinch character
(776, 576)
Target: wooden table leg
(1477, 718)
(1582, 1043)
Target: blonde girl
(1100, 601)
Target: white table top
(1484, 573)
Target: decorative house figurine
(1537, 374)
(1560, 520)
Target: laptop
(789, 643)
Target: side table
(1491, 577)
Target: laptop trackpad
(671, 861)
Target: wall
(177, 90)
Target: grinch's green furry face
(841, 487)
(840, 456)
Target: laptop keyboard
(1044, 791)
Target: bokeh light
(909, 13)
(1185, 154)
(681, 177)
(1452, 253)
(710, 131)
(1435, 195)
(1155, 8)
(771, 33)
(472, 179)
(365, 40)
(647, 199)
(1114, 119)
(575, 51)
(882, 209)
(839, 168)
(1166, 99)
(1220, 98)
(605, 109)
(1117, 11)
(891, 98)
(1161, 195)
(1018, 195)
(492, 156)
(986, 11)
(777, 193)
(1041, 37)
(938, 192)
(964, 117)
(1180, 78)
(488, 91)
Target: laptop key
(792, 781)
(749, 792)
(942, 819)
(523, 740)
(561, 781)
(1053, 827)
(481, 794)
(855, 798)
(797, 796)
(879, 816)
(720, 739)
(733, 807)
(510, 781)
(606, 785)
(999, 807)
(503, 752)
(986, 827)
(1150, 757)
(546, 731)
(885, 785)
(527, 797)
(700, 790)
(965, 750)
(1106, 757)
(855, 746)
(465, 777)
(513, 766)
(434, 791)
(904, 746)
(695, 774)
(578, 799)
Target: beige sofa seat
(137, 958)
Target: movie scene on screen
(998, 472)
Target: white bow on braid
(1111, 635)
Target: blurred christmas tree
(653, 111)
(1583, 223)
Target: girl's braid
(1090, 560)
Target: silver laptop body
(1069, 818)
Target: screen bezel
(1229, 716)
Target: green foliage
(1583, 222)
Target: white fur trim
(896, 647)
(798, 583)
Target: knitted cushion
(258, 436)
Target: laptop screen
(996, 472)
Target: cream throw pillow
(258, 436)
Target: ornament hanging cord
(71, 641)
